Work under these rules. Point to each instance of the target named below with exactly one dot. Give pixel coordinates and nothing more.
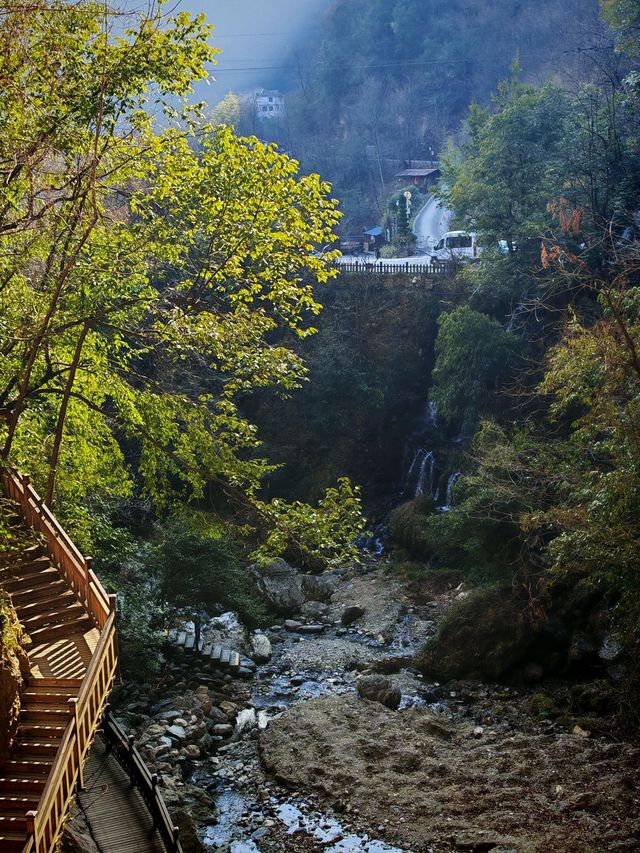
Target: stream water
(248, 805)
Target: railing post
(130, 747)
(154, 786)
(73, 708)
(176, 833)
(31, 827)
(88, 563)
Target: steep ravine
(304, 764)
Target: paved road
(430, 224)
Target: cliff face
(369, 371)
(14, 667)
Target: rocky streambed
(293, 757)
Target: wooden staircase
(43, 721)
(70, 619)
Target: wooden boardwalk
(114, 812)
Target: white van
(456, 246)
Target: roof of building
(417, 173)
(376, 231)
(269, 93)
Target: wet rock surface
(290, 758)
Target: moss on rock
(14, 668)
(486, 634)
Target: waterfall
(432, 414)
(453, 479)
(427, 466)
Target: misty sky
(254, 35)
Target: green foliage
(315, 537)
(122, 563)
(153, 272)
(623, 16)
(473, 353)
(511, 165)
(198, 564)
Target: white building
(269, 104)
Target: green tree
(473, 353)
(150, 274)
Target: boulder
(260, 648)
(379, 688)
(280, 585)
(319, 587)
(351, 614)
(315, 610)
(486, 635)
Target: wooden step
(11, 803)
(225, 657)
(52, 617)
(56, 632)
(46, 713)
(31, 766)
(33, 583)
(172, 635)
(73, 684)
(216, 653)
(206, 651)
(234, 661)
(40, 746)
(190, 642)
(13, 823)
(31, 563)
(33, 551)
(37, 730)
(47, 696)
(50, 603)
(16, 784)
(12, 841)
(182, 638)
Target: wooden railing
(442, 269)
(87, 708)
(70, 562)
(86, 711)
(130, 759)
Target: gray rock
(533, 673)
(281, 585)
(222, 730)
(352, 614)
(245, 673)
(176, 732)
(610, 649)
(311, 629)
(315, 610)
(379, 688)
(260, 648)
(292, 624)
(319, 587)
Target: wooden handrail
(146, 782)
(85, 714)
(86, 710)
(70, 562)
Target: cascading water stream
(453, 479)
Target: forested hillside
(385, 81)
(373, 531)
